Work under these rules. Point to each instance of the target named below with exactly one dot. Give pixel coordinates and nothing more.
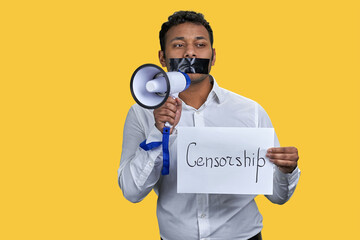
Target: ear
(213, 58)
(162, 58)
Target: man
(204, 103)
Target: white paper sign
(224, 160)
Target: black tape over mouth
(190, 65)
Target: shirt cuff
(154, 154)
(290, 178)
(154, 136)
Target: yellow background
(65, 71)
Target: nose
(190, 52)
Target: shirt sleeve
(139, 170)
(284, 184)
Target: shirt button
(203, 215)
(151, 164)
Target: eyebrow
(182, 38)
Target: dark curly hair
(183, 17)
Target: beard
(197, 78)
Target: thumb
(178, 112)
(178, 107)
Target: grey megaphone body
(151, 86)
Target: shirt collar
(216, 91)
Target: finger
(287, 169)
(284, 163)
(169, 103)
(163, 119)
(283, 156)
(178, 102)
(165, 112)
(282, 150)
(170, 106)
(178, 112)
(178, 108)
(171, 100)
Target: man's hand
(284, 157)
(169, 112)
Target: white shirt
(196, 216)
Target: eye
(178, 45)
(200, 45)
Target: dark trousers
(256, 237)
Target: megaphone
(151, 86)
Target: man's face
(188, 40)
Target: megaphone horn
(151, 86)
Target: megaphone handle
(168, 125)
(165, 144)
